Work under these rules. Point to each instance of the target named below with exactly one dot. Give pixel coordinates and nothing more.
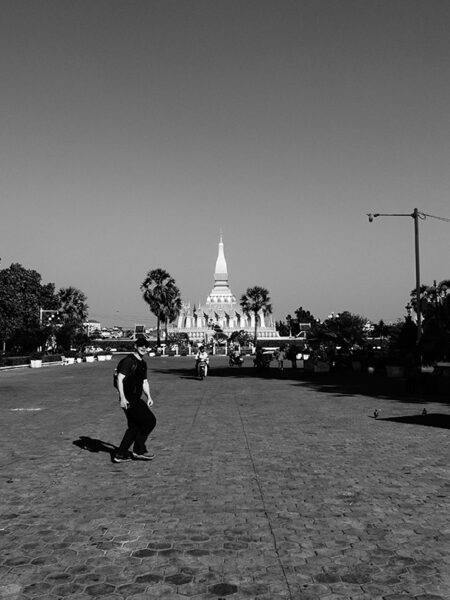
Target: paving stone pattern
(272, 487)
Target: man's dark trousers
(141, 422)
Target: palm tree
(73, 309)
(254, 301)
(71, 315)
(172, 306)
(158, 288)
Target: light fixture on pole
(416, 215)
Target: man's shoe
(118, 458)
(145, 456)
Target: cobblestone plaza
(268, 487)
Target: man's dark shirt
(135, 372)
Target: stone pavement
(263, 488)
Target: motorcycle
(202, 368)
(236, 360)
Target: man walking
(131, 382)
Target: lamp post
(43, 311)
(416, 215)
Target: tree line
(34, 314)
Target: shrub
(13, 361)
(51, 358)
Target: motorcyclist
(202, 355)
(235, 356)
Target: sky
(133, 132)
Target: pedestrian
(281, 356)
(131, 382)
(292, 355)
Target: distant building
(91, 326)
(221, 311)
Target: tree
(283, 328)
(242, 337)
(179, 339)
(435, 309)
(72, 314)
(380, 330)
(292, 326)
(220, 337)
(253, 302)
(72, 306)
(172, 306)
(304, 316)
(160, 292)
(22, 295)
(346, 328)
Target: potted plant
(36, 360)
(70, 357)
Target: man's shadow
(93, 445)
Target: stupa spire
(221, 271)
(221, 293)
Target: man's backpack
(117, 369)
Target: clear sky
(133, 131)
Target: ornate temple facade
(221, 311)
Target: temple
(221, 311)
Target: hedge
(14, 361)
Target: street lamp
(416, 215)
(49, 319)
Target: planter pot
(394, 371)
(36, 363)
(101, 357)
(90, 359)
(108, 357)
(79, 360)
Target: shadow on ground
(429, 420)
(225, 371)
(420, 391)
(93, 445)
(339, 383)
